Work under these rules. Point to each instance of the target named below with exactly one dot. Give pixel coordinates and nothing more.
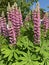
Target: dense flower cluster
(36, 19)
(15, 17)
(12, 29)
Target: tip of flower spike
(12, 7)
(8, 7)
(2, 14)
(33, 8)
(19, 9)
(15, 5)
(46, 14)
(37, 6)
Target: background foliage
(23, 4)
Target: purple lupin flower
(20, 18)
(45, 23)
(36, 19)
(15, 19)
(3, 25)
(35, 26)
(38, 16)
(11, 33)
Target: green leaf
(15, 56)
(10, 56)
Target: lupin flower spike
(11, 33)
(36, 18)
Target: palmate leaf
(20, 52)
(15, 56)
(35, 57)
(37, 48)
(47, 61)
(23, 62)
(1, 63)
(44, 51)
(10, 63)
(3, 40)
(42, 63)
(0, 57)
(10, 56)
(16, 63)
(36, 63)
(7, 53)
(24, 43)
(25, 59)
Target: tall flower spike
(3, 24)
(36, 19)
(45, 20)
(11, 33)
(15, 19)
(20, 17)
(35, 26)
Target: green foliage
(25, 52)
(25, 6)
(3, 40)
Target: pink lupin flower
(11, 33)
(20, 17)
(38, 16)
(3, 25)
(35, 26)
(36, 19)
(45, 21)
(16, 19)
